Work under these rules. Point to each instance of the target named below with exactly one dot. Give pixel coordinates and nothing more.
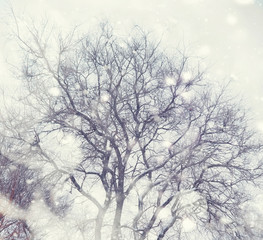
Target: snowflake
(231, 19)
(164, 214)
(187, 96)
(166, 144)
(170, 81)
(104, 97)
(260, 126)
(54, 91)
(68, 140)
(186, 76)
(204, 50)
(85, 92)
(188, 225)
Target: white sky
(228, 34)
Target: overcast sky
(227, 34)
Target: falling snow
(231, 19)
(188, 225)
(170, 81)
(186, 76)
(54, 91)
(211, 37)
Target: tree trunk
(99, 221)
(116, 228)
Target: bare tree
(16, 186)
(159, 145)
(21, 184)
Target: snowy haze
(225, 35)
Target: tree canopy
(152, 148)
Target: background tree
(12, 185)
(161, 151)
(20, 184)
